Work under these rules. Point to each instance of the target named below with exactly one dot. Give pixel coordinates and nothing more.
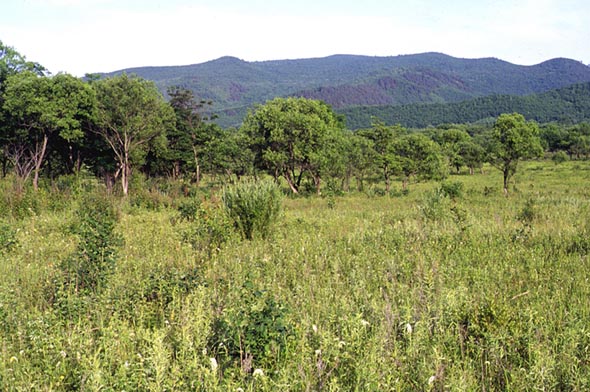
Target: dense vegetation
(344, 81)
(145, 248)
(569, 105)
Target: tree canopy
(512, 139)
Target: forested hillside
(568, 105)
(343, 81)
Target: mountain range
(348, 81)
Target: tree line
(113, 127)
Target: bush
(188, 209)
(96, 253)
(253, 207)
(559, 157)
(453, 190)
(255, 332)
(8, 240)
(209, 230)
(435, 205)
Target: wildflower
(431, 380)
(258, 373)
(63, 354)
(314, 328)
(318, 352)
(365, 323)
(409, 328)
(213, 364)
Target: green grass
(374, 295)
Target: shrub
(253, 207)
(559, 157)
(96, 253)
(8, 238)
(253, 331)
(188, 209)
(435, 205)
(209, 230)
(453, 190)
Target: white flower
(213, 362)
(409, 328)
(365, 323)
(258, 373)
(431, 380)
(240, 389)
(314, 328)
(63, 354)
(318, 352)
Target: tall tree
(131, 113)
(11, 63)
(40, 107)
(188, 140)
(291, 138)
(512, 139)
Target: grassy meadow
(448, 287)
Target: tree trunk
(291, 183)
(318, 184)
(197, 167)
(39, 161)
(506, 177)
(125, 172)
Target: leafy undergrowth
(434, 290)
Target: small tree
(419, 156)
(512, 139)
(384, 139)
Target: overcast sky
(83, 36)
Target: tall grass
(362, 293)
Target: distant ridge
(347, 81)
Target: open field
(358, 292)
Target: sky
(86, 36)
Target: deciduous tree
(512, 139)
(131, 113)
(292, 138)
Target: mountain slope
(568, 105)
(347, 81)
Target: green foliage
(452, 189)
(568, 105)
(131, 115)
(94, 259)
(294, 137)
(435, 205)
(253, 206)
(188, 210)
(512, 139)
(8, 240)
(254, 332)
(210, 227)
(559, 157)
